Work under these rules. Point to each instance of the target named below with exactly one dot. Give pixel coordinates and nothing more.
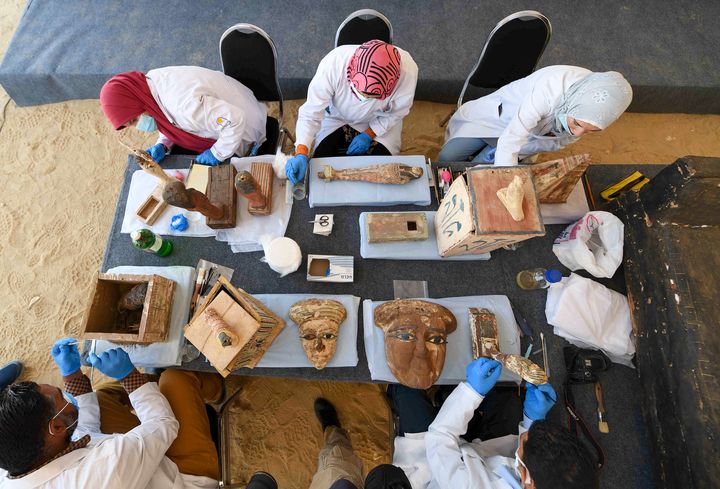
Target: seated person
(77, 438)
(200, 110)
(545, 111)
(355, 104)
(543, 456)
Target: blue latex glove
(207, 158)
(539, 399)
(114, 363)
(482, 374)
(295, 168)
(66, 356)
(157, 152)
(359, 145)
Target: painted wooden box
(249, 326)
(556, 179)
(472, 220)
(105, 320)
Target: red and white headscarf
(375, 68)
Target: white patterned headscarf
(598, 99)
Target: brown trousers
(337, 461)
(193, 451)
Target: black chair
(248, 55)
(512, 51)
(362, 26)
(219, 431)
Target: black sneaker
(9, 373)
(326, 413)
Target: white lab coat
(332, 104)
(440, 459)
(520, 114)
(134, 460)
(209, 104)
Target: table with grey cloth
(374, 280)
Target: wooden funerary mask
(319, 321)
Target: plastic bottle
(537, 278)
(146, 240)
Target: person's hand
(482, 374)
(114, 363)
(207, 158)
(157, 152)
(359, 145)
(66, 355)
(539, 399)
(295, 168)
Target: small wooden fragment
(389, 173)
(556, 179)
(396, 226)
(152, 207)
(108, 318)
(254, 325)
(221, 193)
(263, 174)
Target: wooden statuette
(221, 194)
(175, 193)
(257, 186)
(556, 179)
(248, 188)
(232, 328)
(390, 173)
(129, 308)
(387, 227)
(512, 198)
(485, 342)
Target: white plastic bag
(589, 315)
(594, 243)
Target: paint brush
(544, 353)
(198, 285)
(602, 423)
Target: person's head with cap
(374, 70)
(593, 103)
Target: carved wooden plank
(556, 179)
(152, 207)
(263, 174)
(221, 193)
(483, 333)
(397, 226)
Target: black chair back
(248, 55)
(512, 51)
(362, 26)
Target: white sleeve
(134, 457)
(163, 139)
(442, 442)
(226, 119)
(88, 413)
(402, 100)
(319, 96)
(537, 105)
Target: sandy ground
(61, 176)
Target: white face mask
(146, 124)
(359, 95)
(518, 463)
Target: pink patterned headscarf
(375, 68)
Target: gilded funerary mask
(318, 321)
(415, 337)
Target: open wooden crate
(102, 320)
(472, 220)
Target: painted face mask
(146, 124)
(318, 321)
(415, 337)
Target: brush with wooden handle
(602, 424)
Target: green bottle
(148, 241)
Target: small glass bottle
(537, 278)
(146, 240)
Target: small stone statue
(415, 337)
(175, 193)
(319, 321)
(512, 198)
(390, 173)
